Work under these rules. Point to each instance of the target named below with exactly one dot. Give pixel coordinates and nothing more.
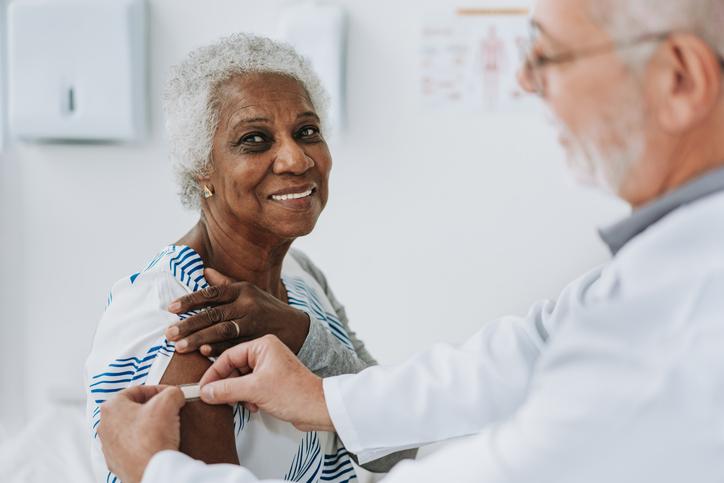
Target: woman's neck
(239, 255)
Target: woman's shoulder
(174, 268)
(179, 262)
(298, 261)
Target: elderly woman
(245, 123)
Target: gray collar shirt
(619, 234)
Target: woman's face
(270, 161)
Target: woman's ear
(207, 188)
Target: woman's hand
(235, 312)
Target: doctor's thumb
(170, 400)
(228, 391)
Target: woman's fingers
(228, 331)
(207, 318)
(218, 348)
(211, 295)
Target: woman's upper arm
(324, 343)
(129, 349)
(207, 432)
(357, 343)
(338, 360)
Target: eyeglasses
(534, 63)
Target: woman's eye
(253, 139)
(308, 131)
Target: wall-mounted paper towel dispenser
(77, 70)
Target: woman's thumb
(214, 277)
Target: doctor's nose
(525, 79)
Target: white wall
(436, 223)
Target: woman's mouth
(293, 196)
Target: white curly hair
(192, 107)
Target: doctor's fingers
(127, 402)
(244, 389)
(167, 402)
(234, 361)
(137, 394)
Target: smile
(293, 196)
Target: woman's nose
(291, 159)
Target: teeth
(292, 196)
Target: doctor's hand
(234, 312)
(136, 424)
(266, 375)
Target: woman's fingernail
(182, 344)
(207, 393)
(174, 307)
(171, 332)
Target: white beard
(604, 155)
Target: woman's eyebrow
(308, 114)
(250, 120)
(257, 119)
(246, 120)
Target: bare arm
(207, 432)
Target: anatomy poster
(469, 59)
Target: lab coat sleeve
(441, 393)
(172, 466)
(563, 433)
(627, 393)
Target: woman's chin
(291, 229)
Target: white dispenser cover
(77, 69)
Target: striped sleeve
(320, 352)
(129, 347)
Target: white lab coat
(620, 380)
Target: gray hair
(192, 107)
(625, 19)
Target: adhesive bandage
(192, 392)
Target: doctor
(619, 380)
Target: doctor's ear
(686, 74)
